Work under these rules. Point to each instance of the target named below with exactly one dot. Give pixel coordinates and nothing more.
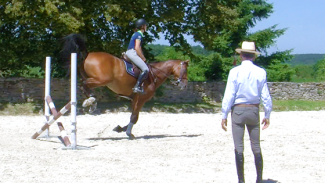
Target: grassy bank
(298, 105)
(37, 108)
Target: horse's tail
(74, 43)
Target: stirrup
(138, 90)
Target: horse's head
(180, 73)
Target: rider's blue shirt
(136, 35)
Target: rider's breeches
(133, 56)
(249, 117)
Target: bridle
(181, 75)
(182, 72)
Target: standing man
(246, 85)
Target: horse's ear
(187, 61)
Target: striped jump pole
(52, 120)
(51, 105)
(64, 135)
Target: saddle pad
(129, 68)
(132, 69)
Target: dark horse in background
(103, 69)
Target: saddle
(131, 69)
(134, 71)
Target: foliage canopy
(31, 30)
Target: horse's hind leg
(93, 83)
(85, 89)
(91, 100)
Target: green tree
(306, 59)
(319, 68)
(303, 73)
(276, 66)
(170, 53)
(31, 30)
(222, 25)
(156, 49)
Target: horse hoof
(88, 102)
(131, 136)
(125, 128)
(118, 129)
(93, 108)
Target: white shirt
(246, 85)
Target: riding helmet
(140, 23)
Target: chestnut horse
(103, 69)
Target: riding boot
(138, 87)
(240, 166)
(259, 167)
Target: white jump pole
(73, 135)
(47, 92)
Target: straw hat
(248, 47)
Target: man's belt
(246, 105)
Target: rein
(168, 76)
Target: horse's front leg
(133, 121)
(137, 104)
(128, 128)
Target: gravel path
(170, 148)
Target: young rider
(135, 54)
